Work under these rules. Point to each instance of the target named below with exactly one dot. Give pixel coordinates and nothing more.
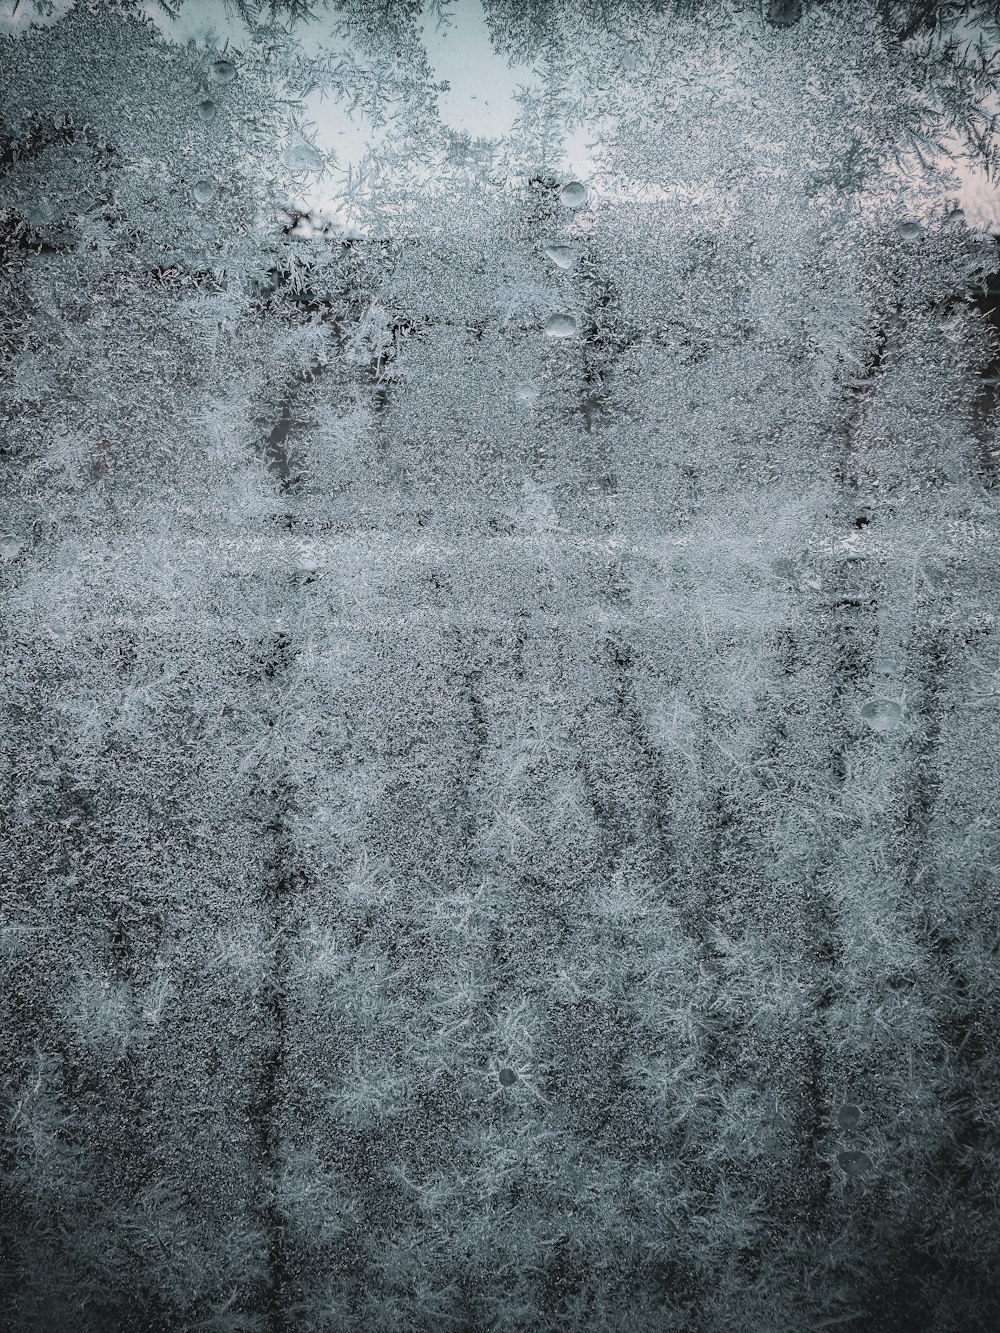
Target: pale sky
(481, 99)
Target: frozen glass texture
(499, 730)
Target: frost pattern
(500, 676)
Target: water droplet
(849, 1117)
(900, 980)
(507, 1077)
(302, 157)
(573, 195)
(527, 393)
(10, 546)
(204, 191)
(561, 326)
(911, 231)
(207, 109)
(784, 13)
(854, 1164)
(563, 256)
(40, 214)
(223, 72)
(934, 572)
(882, 714)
